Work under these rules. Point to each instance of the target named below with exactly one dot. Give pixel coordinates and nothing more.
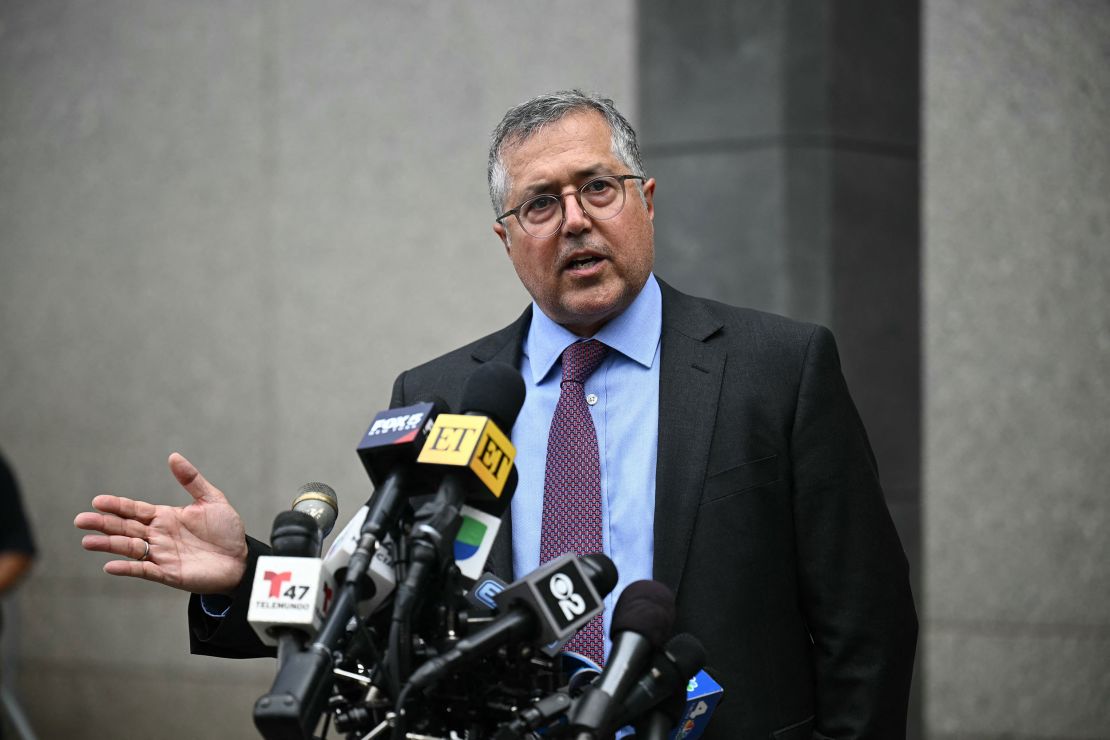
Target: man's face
(589, 271)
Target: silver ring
(146, 552)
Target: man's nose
(575, 219)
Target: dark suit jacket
(770, 525)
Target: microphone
(679, 660)
(550, 603)
(476, 461)
(388, 451)
(477, 533)
(295, 534)
(472, 446)
(381, 574)
(319, 501)
(288, 599)
(682, 656)
(642, 618)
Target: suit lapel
(504, 346)
(689, 387)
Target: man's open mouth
(583, 262)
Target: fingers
(141, 557)
(191, 479)
(144, 569)
(128, 547)
(125, 508)
(110, 524)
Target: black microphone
(679, 660)
(388, 451)
(534, 611)
(295, 534)
(642, 619)
(476, 460)
(472, 449)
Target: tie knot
(581, 359)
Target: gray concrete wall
(1017, 369)
(224, 228)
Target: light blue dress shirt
(626, 416)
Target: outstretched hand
(199, 548)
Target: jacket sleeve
(854, 575)
(229, 636)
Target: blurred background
(226, 226)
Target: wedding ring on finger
(146, 551)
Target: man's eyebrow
(541, 187)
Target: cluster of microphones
(398, 632)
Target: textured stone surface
(1001, 683)
(711, 72)
(211, 698)
(1018, 332)
(130, 212)
(719, 226)
(1017, 346)
(768, 71)
(224, 228)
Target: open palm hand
(199, 548)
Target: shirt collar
(634, 333)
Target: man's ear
(503, 234)
(649, 197)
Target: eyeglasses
(542, 216)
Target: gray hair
(524, 120)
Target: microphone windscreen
(495, 390)
(439, 405)
(295, 534)
(510, 484)
(602, 572)
(687, 653)
(319, 501)
(646, 608)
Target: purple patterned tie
(572, 480)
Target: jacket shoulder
(445, 375)
(761, 333)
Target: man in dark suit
(766, 516)
(770, 526)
